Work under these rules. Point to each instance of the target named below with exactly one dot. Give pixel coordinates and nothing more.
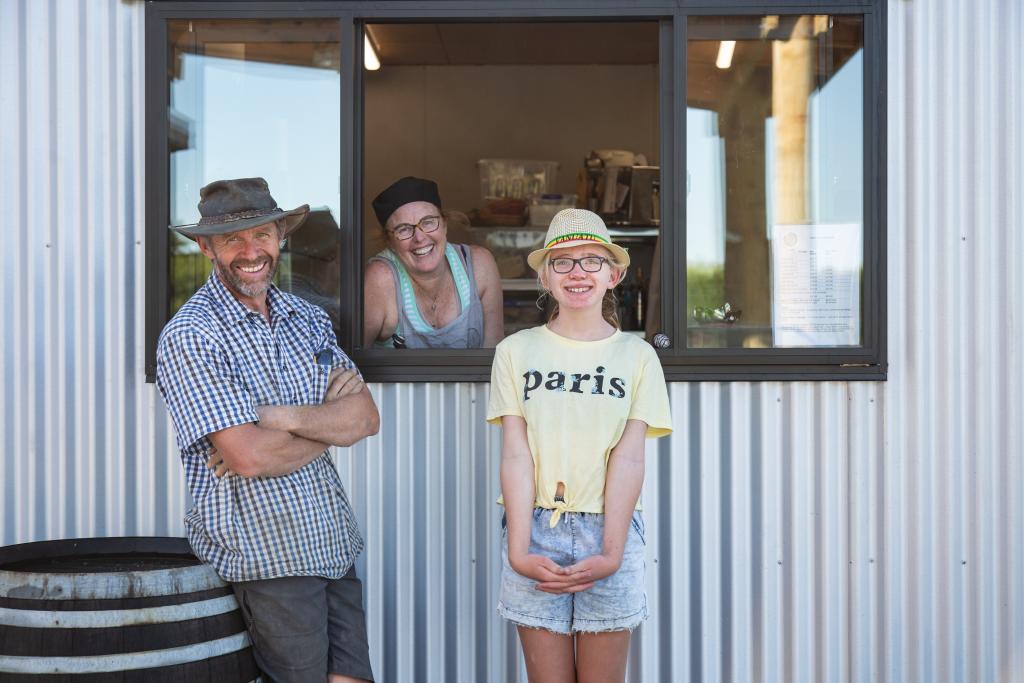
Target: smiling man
(258, 389)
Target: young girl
(575, 399)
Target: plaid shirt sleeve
(203, 396)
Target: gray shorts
(615, 603)
(304, 627)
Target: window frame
(868, 362)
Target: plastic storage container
(510, 249)
(517, 178)
(544, 207)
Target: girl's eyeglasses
(564, 264)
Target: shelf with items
(622, 195)
(520, 284)
(634, 232)
(520, 287)
(524, 308)
(510, 245)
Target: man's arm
(250, 450)
(347, 415)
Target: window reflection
(261, 98)
(774, 181)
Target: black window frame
(867, 362)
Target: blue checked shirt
(216, 362)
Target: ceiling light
(370, 60)
(725, 49)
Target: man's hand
(287, 418)
(342, 384)
(549, 575)
(216, 463)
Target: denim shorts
(615, 603)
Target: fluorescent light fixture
(370, 60)
(725, 49)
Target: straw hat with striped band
(573, 227)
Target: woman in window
(421, 292)
(575, 399)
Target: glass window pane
(258, 97)
(774, 162)
(514, 121)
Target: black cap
(404, 191)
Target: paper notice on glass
(816, 271)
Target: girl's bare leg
(601, 657)
(549, 656)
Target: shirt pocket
(321, 378)
(312, 380)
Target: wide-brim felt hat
(234, 205)
(573, 227)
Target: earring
(541, 300)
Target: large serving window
(738, 154)
(516, 121)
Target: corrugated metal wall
(796, 531)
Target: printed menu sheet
(816, 271)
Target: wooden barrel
(118, 609)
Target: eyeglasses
(404, 231)
(564, 264)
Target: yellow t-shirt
(576, 397)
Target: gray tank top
(466, 331)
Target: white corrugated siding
(796, 531)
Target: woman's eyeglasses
(404, 231)
(564, 264)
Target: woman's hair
(609, 304)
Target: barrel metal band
(100, 586)
(24, 618)
(125, 662)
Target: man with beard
(258, 389)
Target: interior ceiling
(515, 43)
(317, 42)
